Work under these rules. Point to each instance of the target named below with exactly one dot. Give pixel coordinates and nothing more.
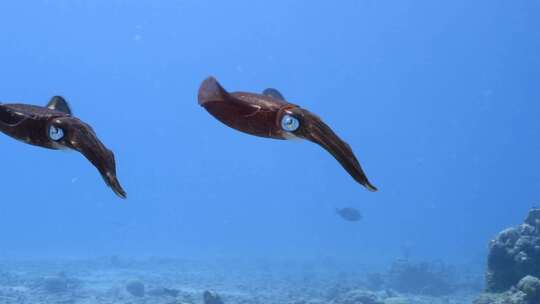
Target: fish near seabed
(54, 127)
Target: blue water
(439, 101)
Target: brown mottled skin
(30, 124)
(261, 115)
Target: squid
(270, 115)
(55, 127)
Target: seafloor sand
(104, 281)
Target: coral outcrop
(513, 266)
(514, 254)
(527, 291)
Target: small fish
(349, 214)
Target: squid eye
(289, 123)
(56, 133)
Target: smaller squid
(269, 115)
(54, 127)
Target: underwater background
(439, 101)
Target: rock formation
(514, 254)
(514, 265)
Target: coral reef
(527, 291)
(514, 254)
(513, 266)
(530, 286)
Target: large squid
(54, 127)
(269, 115)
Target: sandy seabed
(177, 281)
